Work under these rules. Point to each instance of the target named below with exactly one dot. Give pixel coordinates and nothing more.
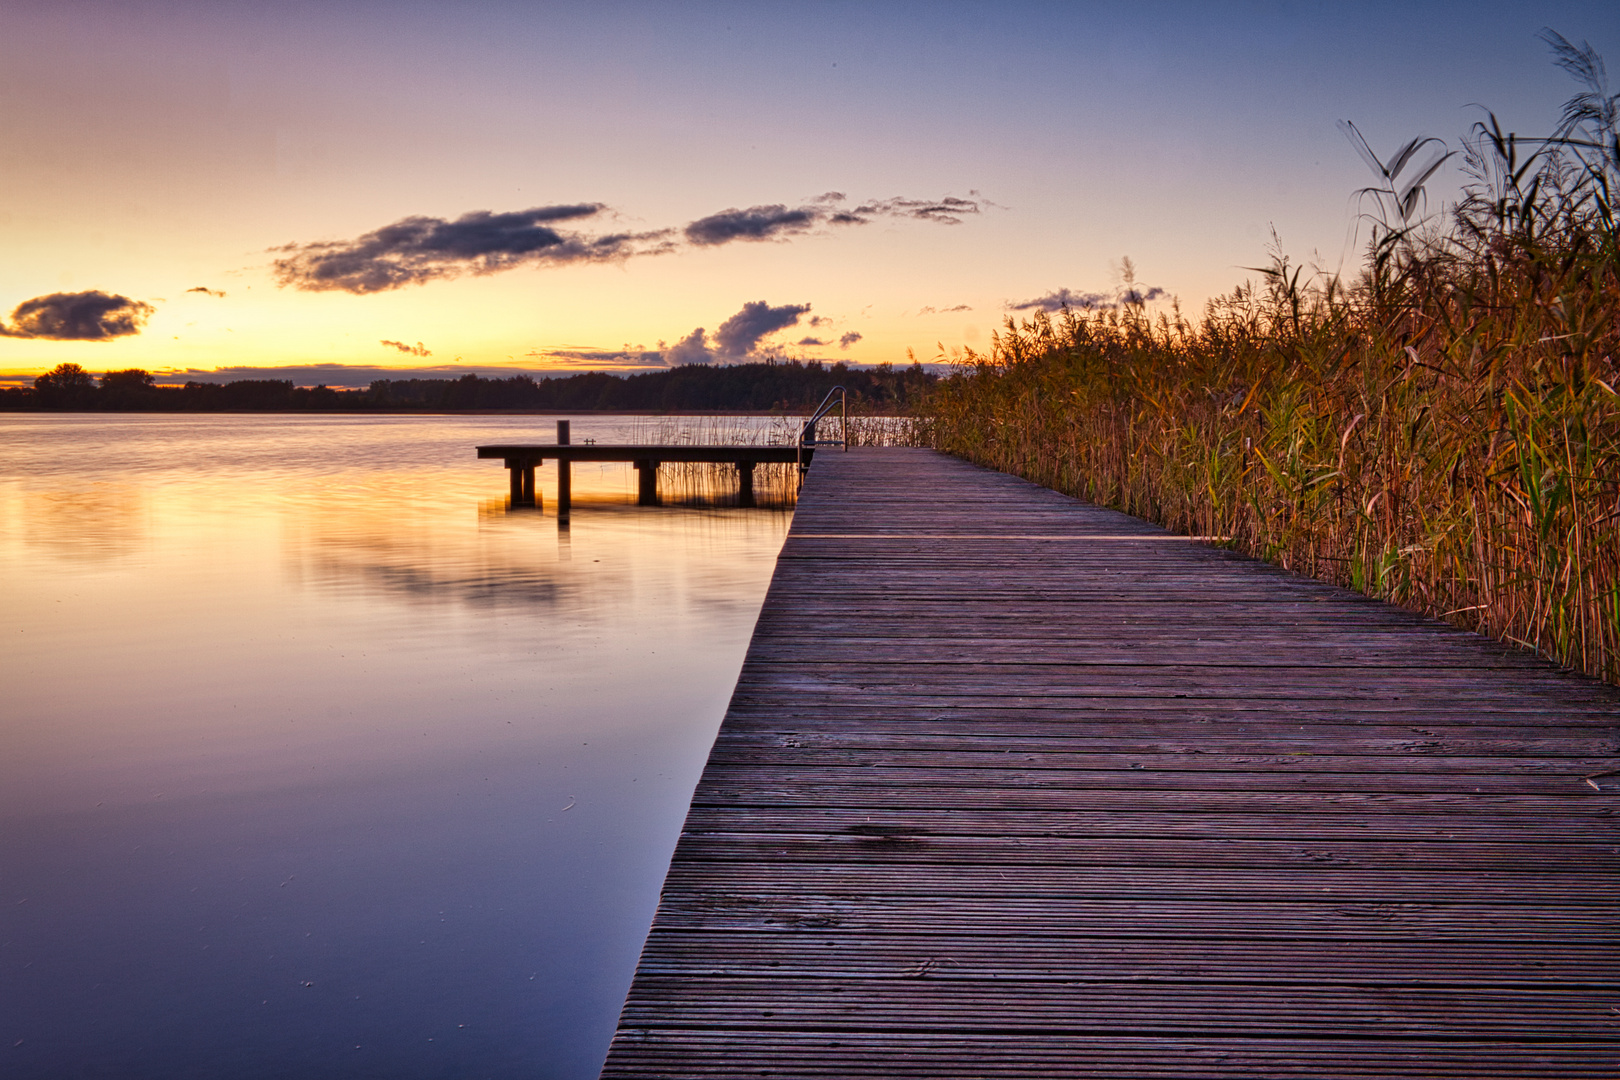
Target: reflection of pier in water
(521, 461)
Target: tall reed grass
(720, 430)
(1442, 432)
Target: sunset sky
(473, 186)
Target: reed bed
(720, 430)
(714, 484)
(1443, 432)
(717, 430)
(889, 431)
(775, 485)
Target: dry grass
(1443, 433)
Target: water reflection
(98, 523)
(315, 761)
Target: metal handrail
(807, 433)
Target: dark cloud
(819, 320)
(206, 291)
(754, 223)
(740, 335)
(537, 364)
(1065, 298)
(419, 249)
(80, 316)
(849, 339)
(691, 349)
(411, 350)
(931, 310)
(779, 220)
(947, 211)
(1091, 301)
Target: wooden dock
(522, 459)
(1012, 786)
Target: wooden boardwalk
(1012, 786)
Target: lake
(319, 761)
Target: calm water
(315, 761)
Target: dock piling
(647, 484)
(522, 470)
(565, 473)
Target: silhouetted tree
(65, 386)
(128, 379)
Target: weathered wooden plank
(1288, 855)
(739, 778)
(1012, 785)
(657, 1053)
(1112, 1009)
(1370, 896)
(1016, 921)
(1000, 822)
(1428, 961)
(1451, 801)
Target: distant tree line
(779, 386)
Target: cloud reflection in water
(296, 701)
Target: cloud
(740, 335)
(931, 310)
(691, 349)
(947, 211)
(581, 358)
(539, 363)
(414, 250)
(419, 249)
(754, 223)
(1065, 298)
(206, 291)
(778, 220)
(820, 320)
(1091, 301)
(411, 350)
(80, 316)
(849, 339)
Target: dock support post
(522, 471)
(565, 474)
(745, 483)
(647, 486)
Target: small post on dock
(647, 486)
(745, 483)
(565, 473)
